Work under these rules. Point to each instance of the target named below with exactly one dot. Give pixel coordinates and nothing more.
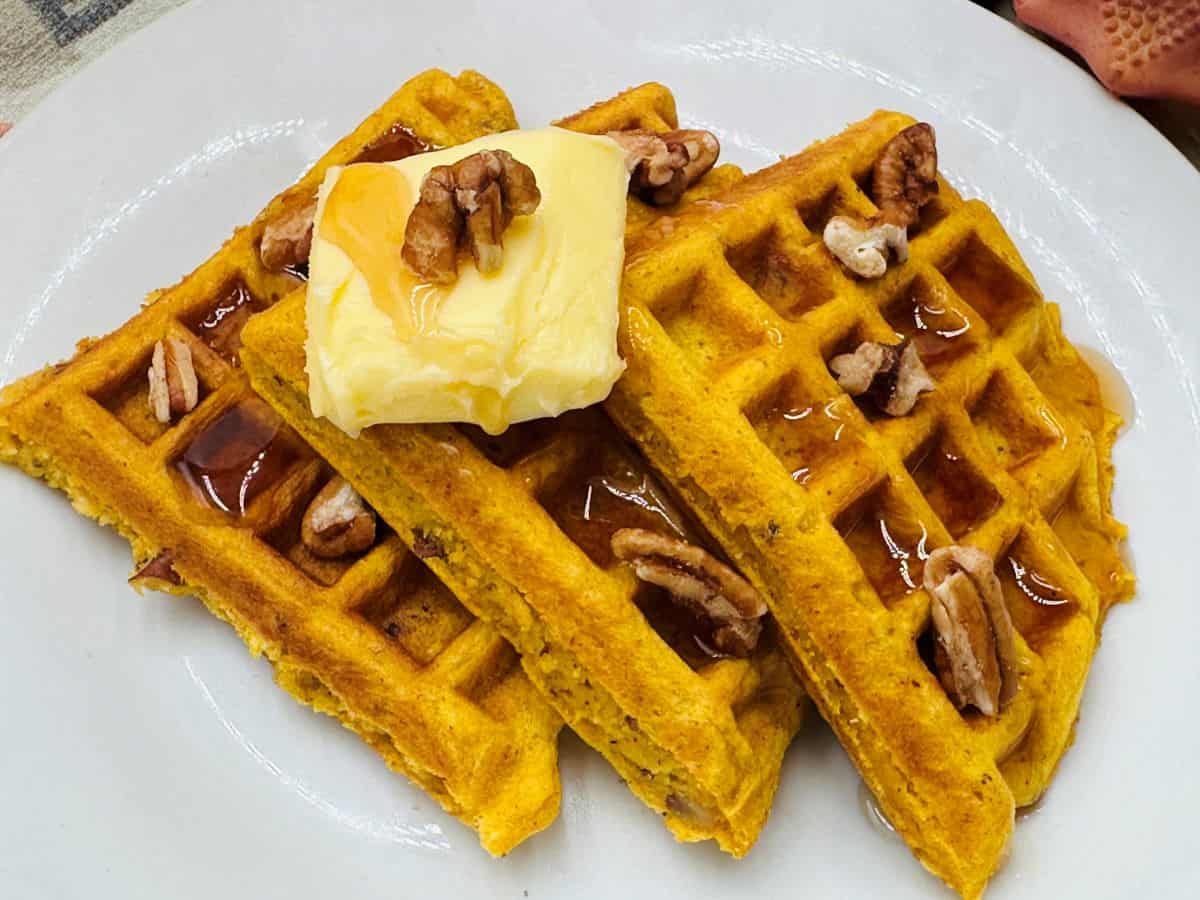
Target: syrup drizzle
(802, 436)
(1115, 392)
(398, 142)
(936, 329)
(235, 458)
(614, 491)
(1035, 587)
(221, 327)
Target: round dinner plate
(143, 753)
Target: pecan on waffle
(521, 528)
(831, 509)
(213, 502)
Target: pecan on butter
(468, 204)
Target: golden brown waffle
(519, 526)
(730, 317)
(375, 640)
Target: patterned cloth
(44, 41)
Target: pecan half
(892, 377)
(174, 388)
(337, 522)
(698, 581)
(663, 166)
(905, 175)
(903, 180)
(473, 200)
(977, 648)
(862, 246)
(287, 239)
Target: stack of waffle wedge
(491, 609)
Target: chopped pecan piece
(862, 246)
(174, 388)
(427, 546)
(157, 574)
(698, 581)
(905, 175)
(891, 377)
(663, 166)
(337, 522)
(903, 180)
(287, 239)
(977, 649)
(473, 200)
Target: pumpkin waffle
(520, 527)
(212, 505)
(729, 320)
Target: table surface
(45, 41)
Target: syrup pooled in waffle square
(520, 526)
(730, 318)
(212, 504)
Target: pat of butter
(534, 339)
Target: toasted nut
(903, 180)
(863, 246)
(157, 574)
(337, 522)
(905, 175)
(977, 659)
(698, 581)
(663, 166)
(427, 546)
(892, 377)
(287, 240)
(174, 389)
(473, 200)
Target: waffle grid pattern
(703, 745)
(736, 309)
(376, 640)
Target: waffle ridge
(702, 746)
(729, 319)
(376, 642)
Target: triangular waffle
(374, 640)
(730, 318)
(519, 527)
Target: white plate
(144, 755)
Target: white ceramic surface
(144, 755)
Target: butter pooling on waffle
(374, 640)
(729, 320)
(520, 526)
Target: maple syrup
(1036, 604)
(940, 332)
(1114, 390)
(687, 634)
(221, 327)
(805, 437)
(398, 142)
(961, 497)
(890, 544)
(989, 284)
(235, 458)
(875, 815)
(612, 490)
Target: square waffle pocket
(728, 324)
(212, 505)
(519, 526)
